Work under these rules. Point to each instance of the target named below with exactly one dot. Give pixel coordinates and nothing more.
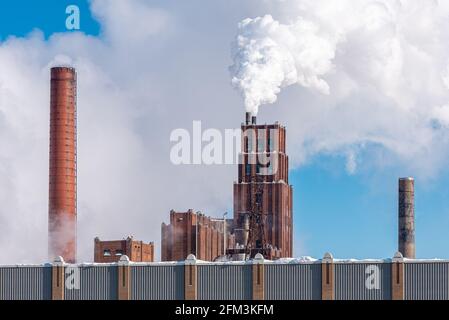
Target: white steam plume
(269, 56)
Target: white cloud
(269, 56)
(389, 75)
(351, 162)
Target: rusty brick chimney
(406, 235)
(62, 178)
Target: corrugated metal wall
(25, 283)
(357, 281)
(157, 282)
(353, 281)
(96, 283)
(293, 282)
(224, 282)
(427, 281)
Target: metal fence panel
(224, 282)
(293, 282)
(362, 281)
(426, 281)
(95, 283)
(157, 282)
(25, 283)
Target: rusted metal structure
(62, 178)
(407, 217)
(256, 241)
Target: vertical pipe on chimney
(248, 118)
(62, 177)
(253, 120)
(406, 236)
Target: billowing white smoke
(269, 56)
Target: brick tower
(263, 186)
(62, 179)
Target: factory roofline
(300, 260)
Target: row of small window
(107, 253)
(268, 169)
(261, 144)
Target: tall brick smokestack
(62, 188)
(407, 217)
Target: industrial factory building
(263, 209)
(195, 233)
(199, 252)
(263, 216)
(112, 251)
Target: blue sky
(20, 17)
(350, 215)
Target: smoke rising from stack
(269, 56)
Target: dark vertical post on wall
(397, 277)
(190, 278)
(327, 277)
(57, 279)
(258, 275)
(124, 279)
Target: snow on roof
(300, 260)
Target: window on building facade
(248, 169)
